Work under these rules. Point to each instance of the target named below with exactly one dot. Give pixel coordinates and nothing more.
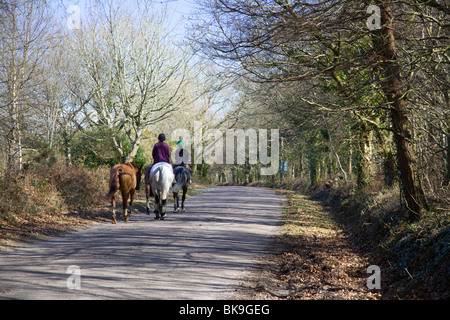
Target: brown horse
(127, 179)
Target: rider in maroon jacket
(161, 150)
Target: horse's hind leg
(132, 194)
(163, 209)
(147, 198)
(176, 205)
(157, 205)
(113, 203)
(163, 202)
(183, 198)
(124, 205)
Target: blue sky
(181, 10)
(180, 7)
(178, 10)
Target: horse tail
(157, 176)
(158, 173)
(112, 191)
(113, 184)
(181, 181)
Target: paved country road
(199, 254)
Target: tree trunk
(365, 172)
(447, 167)
(334, 151)
(350, 158)
(19, 143)
(389, 158)
(119, 148)
(300, 165)
(66, 146)
(15, 145)
(313, 167)
(395, 93)
(135, 142)
(389, 169)
(134, 149)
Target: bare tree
(25, 27)
(139, 76)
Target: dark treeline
(359, 89)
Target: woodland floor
(311, 259)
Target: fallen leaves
(314, 260)
(319, 262)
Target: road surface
(199, 254)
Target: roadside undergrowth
(310, 258)
(414, 258)
(47, 201)
(318, 261)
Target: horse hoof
(125, 219)
(114, 221)
(162, 216)
(183, 210)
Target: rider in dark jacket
(161, 150)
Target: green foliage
(92, 149)
(204, 167)
(140, 159)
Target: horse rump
(182, 178)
